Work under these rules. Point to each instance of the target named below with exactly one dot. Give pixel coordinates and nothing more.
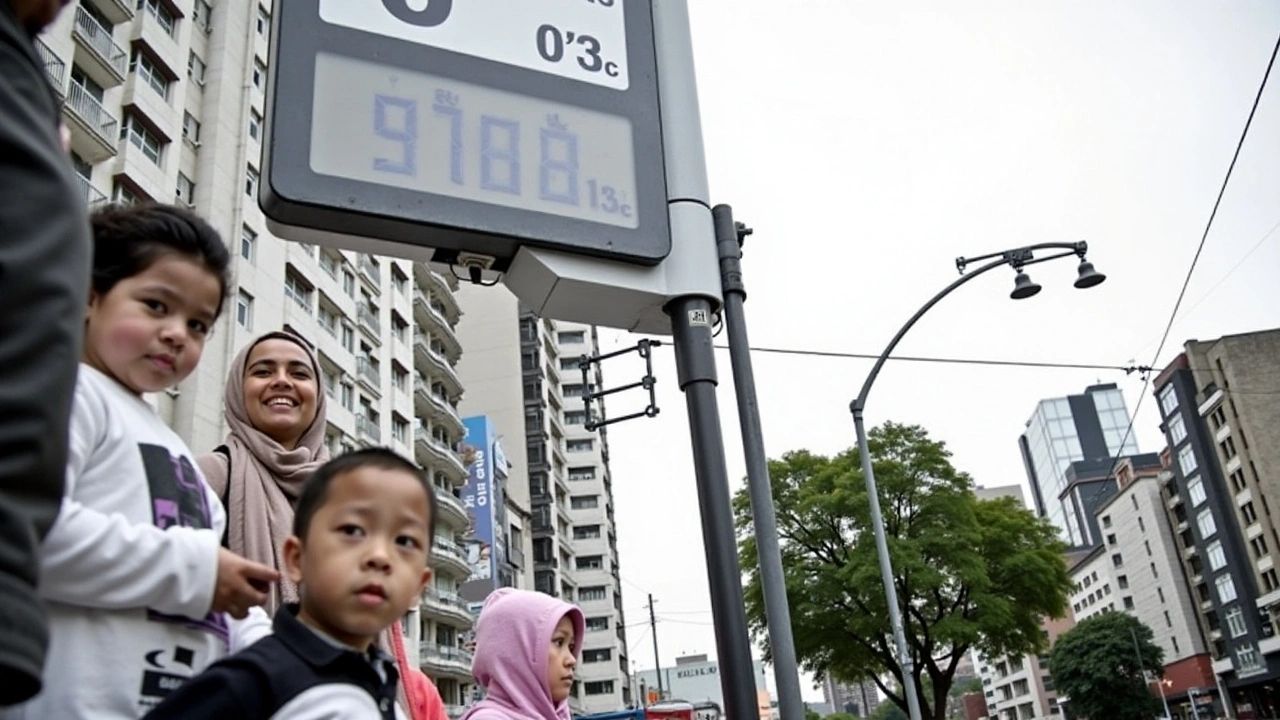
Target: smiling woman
(276, 414)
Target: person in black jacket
(44, 288)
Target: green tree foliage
(1096, 665)
(888, 711)
(970, 573)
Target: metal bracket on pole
(645, 349)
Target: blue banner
(479, 497)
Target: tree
(888, 711)
(1096, 665)
(970, 573)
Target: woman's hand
(242, 584)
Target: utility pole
(653, 630)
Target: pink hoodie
(513, 635)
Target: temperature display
(389, 126)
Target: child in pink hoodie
(527, 646)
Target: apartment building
(1221, 418)
(164, 100)
(523, 372)
(1138, 569)
(605, 666)
(857, 699)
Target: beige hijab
(265, 479)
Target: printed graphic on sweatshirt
(177, 499)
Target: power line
(1195, 259)
(952, 360)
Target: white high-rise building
(523, 373)
(164, 101)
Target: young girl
(137, 586)
(527, 646)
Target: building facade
(695, 679)
(856, 699)
(164, 102)
(1087, 427)
(526, 375)
(1221, 418)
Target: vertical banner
(479, 497)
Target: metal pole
(772, 581)
(1137, 650)
(696, 368)
(1191, 695)
(657, 662)
(689, 205)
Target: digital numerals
(552, 42)
(496, 164)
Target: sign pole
(691, 315)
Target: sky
(870, 144)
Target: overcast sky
(870, 144)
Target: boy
(362, 533)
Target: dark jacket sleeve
(44, 277)
(226, 689)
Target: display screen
(386, 125)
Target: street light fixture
(1024, 287)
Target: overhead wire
(1195, 260)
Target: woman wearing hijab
(276, 412)
(275, 408)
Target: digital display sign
(476, 127)
(389, 126)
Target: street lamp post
(1017, 258)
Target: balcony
(451, 510)
(54, 69)
(369, 320)
(159, 39)
(371, 271)
(434, 364)
(449, 556)
(428, 315)
(455, 712)
(93, 129)
(430, 404)
(448, 659)
(368, 375)
(93, 197)
(116, 11)
(447, 605)
(103, 60)
(437, 453)
(368, 430)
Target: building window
(1247, 658)
(1168, 399)
(255, 125)
(596, 592)
(582, 473)
(264, 21)
(1259, 545)
(347, 396)
(160, 13)
(597, 623)
(1111, 539)
(202, 15)
(584, 502)
(1235, 622)
(571, 338)
(1217, 557)
(348, 338)
(186, 191)
(599, 687)
(1226, 589)
(1206, 524)
(1177, 430)
(1250, 515)
(250, 182)
(296, 289)
(122, 195)
(259, 73)
(575, 417)
(1122, 582)
(1187, 460)
(1128, 602)
(195, 67)
(399, 281)
(1117, 560)
(147, 72)
(586, 532)
(399, 377)
(589, 562)
(597, 655)
(244, 310)
(191, 129)
(1270, 582)
(142, 138)
(349, 283)
(248, 243)
(400, 428)
(580, 445)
